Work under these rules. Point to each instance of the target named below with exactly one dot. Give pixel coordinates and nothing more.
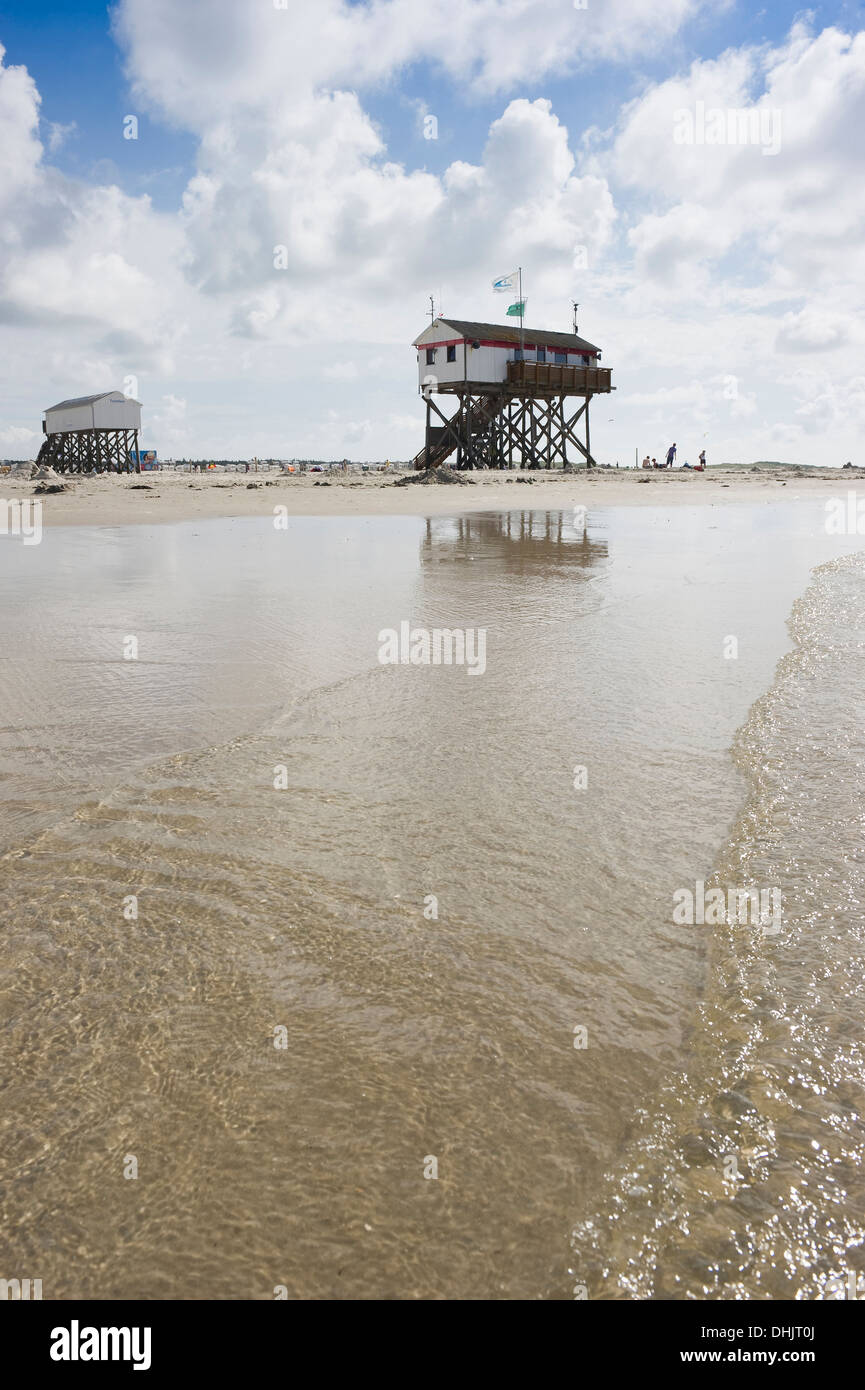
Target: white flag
(506, 283)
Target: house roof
(510, 333)
(88, 400)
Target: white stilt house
(510, 399)
(92, 434)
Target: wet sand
(172, 497)
(282, 1038)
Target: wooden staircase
(445, 439)
(51, 453)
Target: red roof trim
(497, 343)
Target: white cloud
(20, 149)
(341, 371)
(58, 134)
(209, 59)
(169, 423)
(812, 330)
(18, 438)
(86, 260)
(791, 213)
(745, 258)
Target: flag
(506, 283)
(517, 310)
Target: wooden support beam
(493, 427)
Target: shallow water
(746, 1179)
(410, 1038)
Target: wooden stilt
(524, 419)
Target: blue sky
(151, 259)
(71, 53)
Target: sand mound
(425, 476)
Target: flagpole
(522, 343)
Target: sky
(236, 211)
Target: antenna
(575, 307)
(432, 311)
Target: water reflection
(519, 540)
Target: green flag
(517, 310)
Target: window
(452, 353)
(430, 356)
(561, 359)
(518, 354)
(542, 354)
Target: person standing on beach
(702, 458)
(671, 455)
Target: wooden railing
(550, 376)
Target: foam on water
(775, 1076)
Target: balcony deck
(548, 378)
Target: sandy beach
(117, 500)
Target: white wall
(483, 364)
(78, 417)
(472, 364)
(488, 363)
(113, 412)
(441, 369)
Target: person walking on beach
(671, 455)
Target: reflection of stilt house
(524, 541)
(92, 434)
(513, 403)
